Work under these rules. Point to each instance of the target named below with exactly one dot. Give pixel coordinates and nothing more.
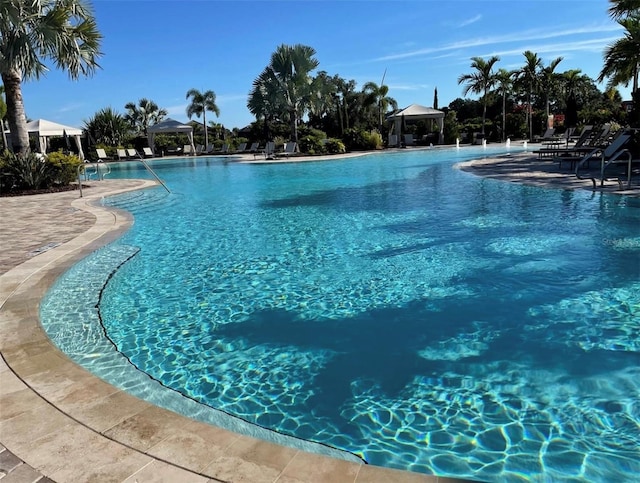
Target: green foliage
(451, 131)
(63, 167)
(311, 140)
(34, 171)
(169, 142)
(335, 146)
(24, 171)
(361, 140)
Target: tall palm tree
(504, 86)
(622, 8)
(379, 96)
(288, 79)
(529, 74)
(622, 57)
(549, 80)
(201, 102)
(31, 32)
(3, 113)
(144, 114)
(575, 86)
(480, 81)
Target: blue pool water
(389, 306)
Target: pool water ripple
(395, 308)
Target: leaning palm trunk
(15, 112)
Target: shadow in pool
(392, 346)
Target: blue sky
(162, 48)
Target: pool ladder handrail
(603, 166)
(97, 172)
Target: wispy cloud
(469, 21)
(527, 36)
(70, 107)
(591, 45)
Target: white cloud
(475, 19)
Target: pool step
(143, 201)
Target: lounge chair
(606, 156)
(122, 153)
(393, 141)
(147, 153)
(199, 149)
(269, 151)
(187, 150)
(289, 149)
(242, 147)
(102, 155)
(132, 154)
(224, 149)
(253, 148)
(548, 135)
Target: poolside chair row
(124, 154)
(269, 151)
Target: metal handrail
(144, 163)
(101, 175)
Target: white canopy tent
(170, 126)
(45, 129)
(413, 113)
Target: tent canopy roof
(169, 125)
(48, 128)
(416, 111)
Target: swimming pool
(388, 306)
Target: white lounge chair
(132, 154)
(186, 150)
(147, 153)
(122, 153)
(102, 155)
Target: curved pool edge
(71, 426)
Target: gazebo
(44, 129)
(413, 113)
(170, 126)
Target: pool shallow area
(389, 306)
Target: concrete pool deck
(60, 423)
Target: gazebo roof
(416, 111)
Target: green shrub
(334, 146)
(64, 167)
(361, 140)
(29, 171)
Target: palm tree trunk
(206, 131)
(15, 112)
(504, 115)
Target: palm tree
(378, 96)
(480, 81)
(549, 80)
(622, 57)
(529, 74)
(107, 127)
(3, 113)
(287, 82)
(144, 114)
(201, 102)
(575, 86)
(623, 8)
(504, 85)
(64, 32)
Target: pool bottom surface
(489, 338)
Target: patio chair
(253, 148)
(604, 153)
(242, 147)
(408, 140)
(289, 149)
(199, 149)
(269, 151)
(122, 154)
(102, 155)
(133, 154)
(186, 150)
(147, 153)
